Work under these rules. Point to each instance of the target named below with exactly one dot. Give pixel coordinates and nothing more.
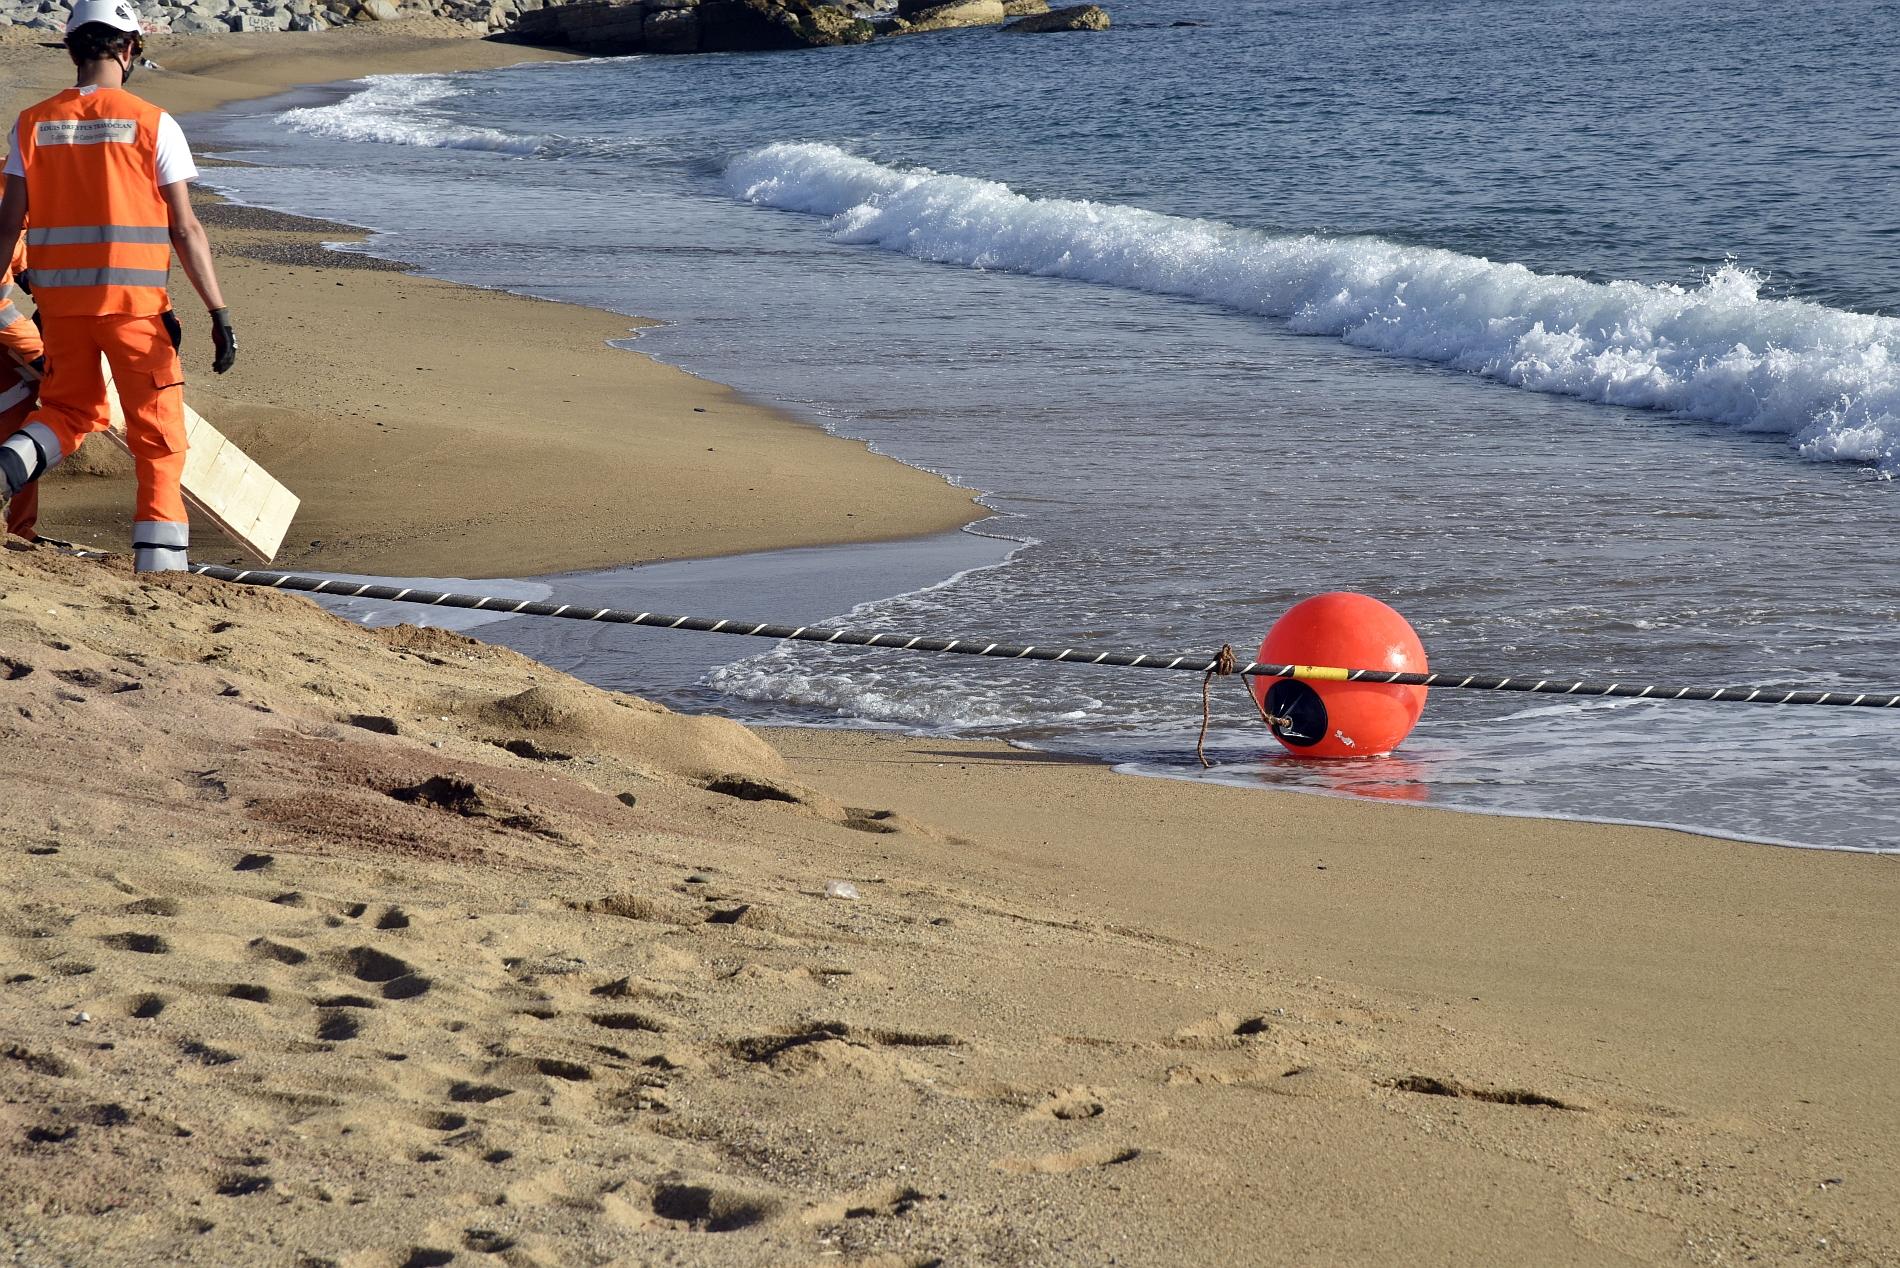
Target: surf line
(1068, 655)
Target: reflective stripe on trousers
(158, 559)
(59, 279)
(80, 235)
(27, 455)
(159, 546)
(160, 533)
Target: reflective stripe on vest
(99, 242)
(77, 235)
(59, 279)
(9, 314)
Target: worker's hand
(224, 338)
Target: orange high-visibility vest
(100, 240)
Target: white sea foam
(1827, 379)
(403, 110)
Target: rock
(680, 26)
(1023, 8)
(1079, 17)
(733, 26)
(253, 22)
(380, 11)
(672, 31)
(602, 29)
(944, 17)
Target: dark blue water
(1566, 331)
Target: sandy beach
(329, 946)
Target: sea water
(1570, 331)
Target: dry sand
(433, 429)
(327, 946)
(371, 998)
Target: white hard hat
(114, 13)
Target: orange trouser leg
(73, 405)
(23, 513)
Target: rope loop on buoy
(1225, 664)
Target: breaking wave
(1825, 378)
(404, 110)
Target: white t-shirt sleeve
(174, 153)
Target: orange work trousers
(151, 387)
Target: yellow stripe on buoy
(1320, 671)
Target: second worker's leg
(72, 405)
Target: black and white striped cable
(1069, 655)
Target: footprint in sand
(143, 1005)
(1103, 1155)
(875, 1200)
(265, 949)
(707, 1209)
(1070, 1105)
(143, 943)
(399, 979)
(335, 1027)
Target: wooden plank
(222, 482)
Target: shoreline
(385, 400)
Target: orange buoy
(1322, 716)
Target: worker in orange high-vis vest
(104, 177)
(22, 362)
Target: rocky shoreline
(617, 27)
(598, 27)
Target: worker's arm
(21, 339)
(13, 216)
(19, 336)
(194, 253)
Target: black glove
(224, 339)
(39, 365)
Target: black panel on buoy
(1305, 712)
